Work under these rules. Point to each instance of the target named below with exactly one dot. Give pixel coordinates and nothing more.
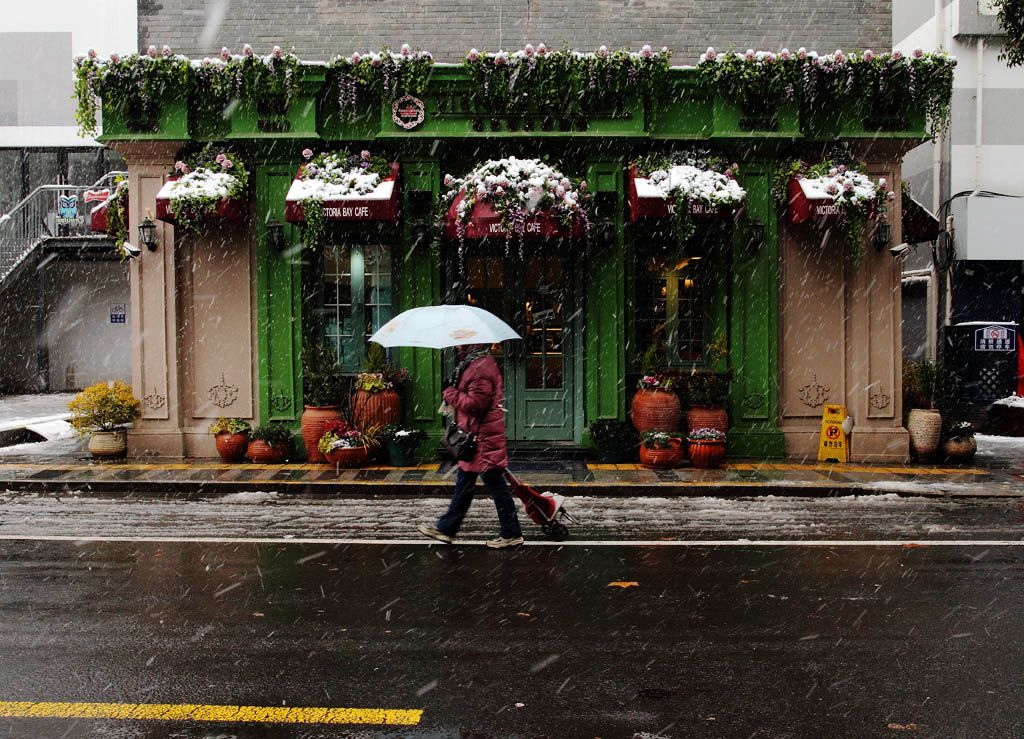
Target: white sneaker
(434, 533)
(501, 542)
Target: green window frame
(672, 308)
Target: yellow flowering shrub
(105, 406)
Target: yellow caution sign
(833, 446)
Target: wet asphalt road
(788, 641)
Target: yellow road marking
(199, 712)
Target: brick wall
(319, 29)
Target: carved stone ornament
(154, 401)
(879, 400)
(753, 401)
(281, 402)
(223, 395)
(814, 394)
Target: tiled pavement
(749, 478)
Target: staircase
(49, 213)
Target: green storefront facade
(599, 296)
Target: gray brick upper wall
(319, 29)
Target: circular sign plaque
(408, 112)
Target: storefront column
(278, 301)
(753, 325)
(154, 305)
(605, 330)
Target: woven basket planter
(959, 450)
(655, 410)
(314, 419)
(925, 427)
(108, 444)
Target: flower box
(229, 209)
(485, 222)
(646, 200)
(668, 458)
(270, 117)
(167, 121)
(809, 202)
(98, 223)
(347, 457)
(379, 205)
(730, 118)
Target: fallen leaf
(624, 584)
(913, 545)
(903, 727)
(523, 614)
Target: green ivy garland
(117, 215)
(133, 85)
(199, 191)
(1011, 20)
(378, 76)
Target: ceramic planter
(655, 410)
(959, 450)
(376, 409)
(108, 444)
(707, 455)
(231, 447)
(925, 427)
(700, 417)
(662, 458)
(314, 419)
(344, 457)
(260, 452)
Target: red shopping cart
(546, 509)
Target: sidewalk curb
(192, 490)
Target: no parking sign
(833, 446)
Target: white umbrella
(440, 326)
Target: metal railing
(48, 212)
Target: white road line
(535, 543)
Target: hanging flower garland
(202, 182)
(383, 75)
(335, 175)
(757, 78)
(517, 189)
(563, 82)
(694, 176)
(134, 85)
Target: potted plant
(211, 184)
(661, 450)
(376, 401)
(401, 444)
(322, 388)
(921, 389)
(616, 441)
(231, 435)
(101, 412)
(959, 445)
(345, 446)
(706, 396)
(269, 444)
(707, 448)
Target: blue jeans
(465, 487)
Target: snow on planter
(707, 194)
(104, 199)
(346, 190)
(207, 187)
(830, 196)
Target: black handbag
(459, 443)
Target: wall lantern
(755, 234)
(883, 233)
(275, 235)
(147, 233)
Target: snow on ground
(17, 410)
(1000, 451)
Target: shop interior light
(147, 233)
(275, 235)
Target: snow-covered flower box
(830, 196)
(515, 197)
(230, 209)
(706, 194)
(208, 187)
(351, 196)
(99, 214)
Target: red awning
(98, 214)
(230, 209)
(379, 205)
(485, 222)
(646, 201)
(806, 203)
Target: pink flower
(473, 55)
(750, 55)
(841, 168)
(646, 51)
(560, 191)
(91, 53)
(881, 183)
(449, 180)
(869, 55)
(541, 50)
(307, 153)
(801, 52)
(180, 166)
(603, 52)
(365, 155)
(565, 183)
(711, 54)
(838, 55)
(151, 52)
(891, 195)
(499, 191)
(166, 51)
(225, 53)
(406, 50)
(247, 50)
(277, 52)
(897, 55)
(831, 188)
(769, 58)
(115, 57)
(583, 186)
(375, 61)
(499, 58)
(833, 172)
(220, 157)
(784, 55)
(227, 164)
(355, 57)
(528, 50)
(918, 53)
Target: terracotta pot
(108, 444)
(707, 455)
(260, 452)
(925, 427)
(959, 450)
(655, 410)
(662, 458)
(700, 417)
(376, 409)
(353, 456)
(231, 447)
(314, 418)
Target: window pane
(690, 330)
(83, 167)
(10, 179)
(43, 169)
(338, 303)
(671, 311)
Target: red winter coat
(478, 402)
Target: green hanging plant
(377, 76)
(1011, 20)
(203, 180)
(117, 215)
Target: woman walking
(476, 395)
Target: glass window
(83, 167)
(11, 185)
(672, 310)
(358, 298)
